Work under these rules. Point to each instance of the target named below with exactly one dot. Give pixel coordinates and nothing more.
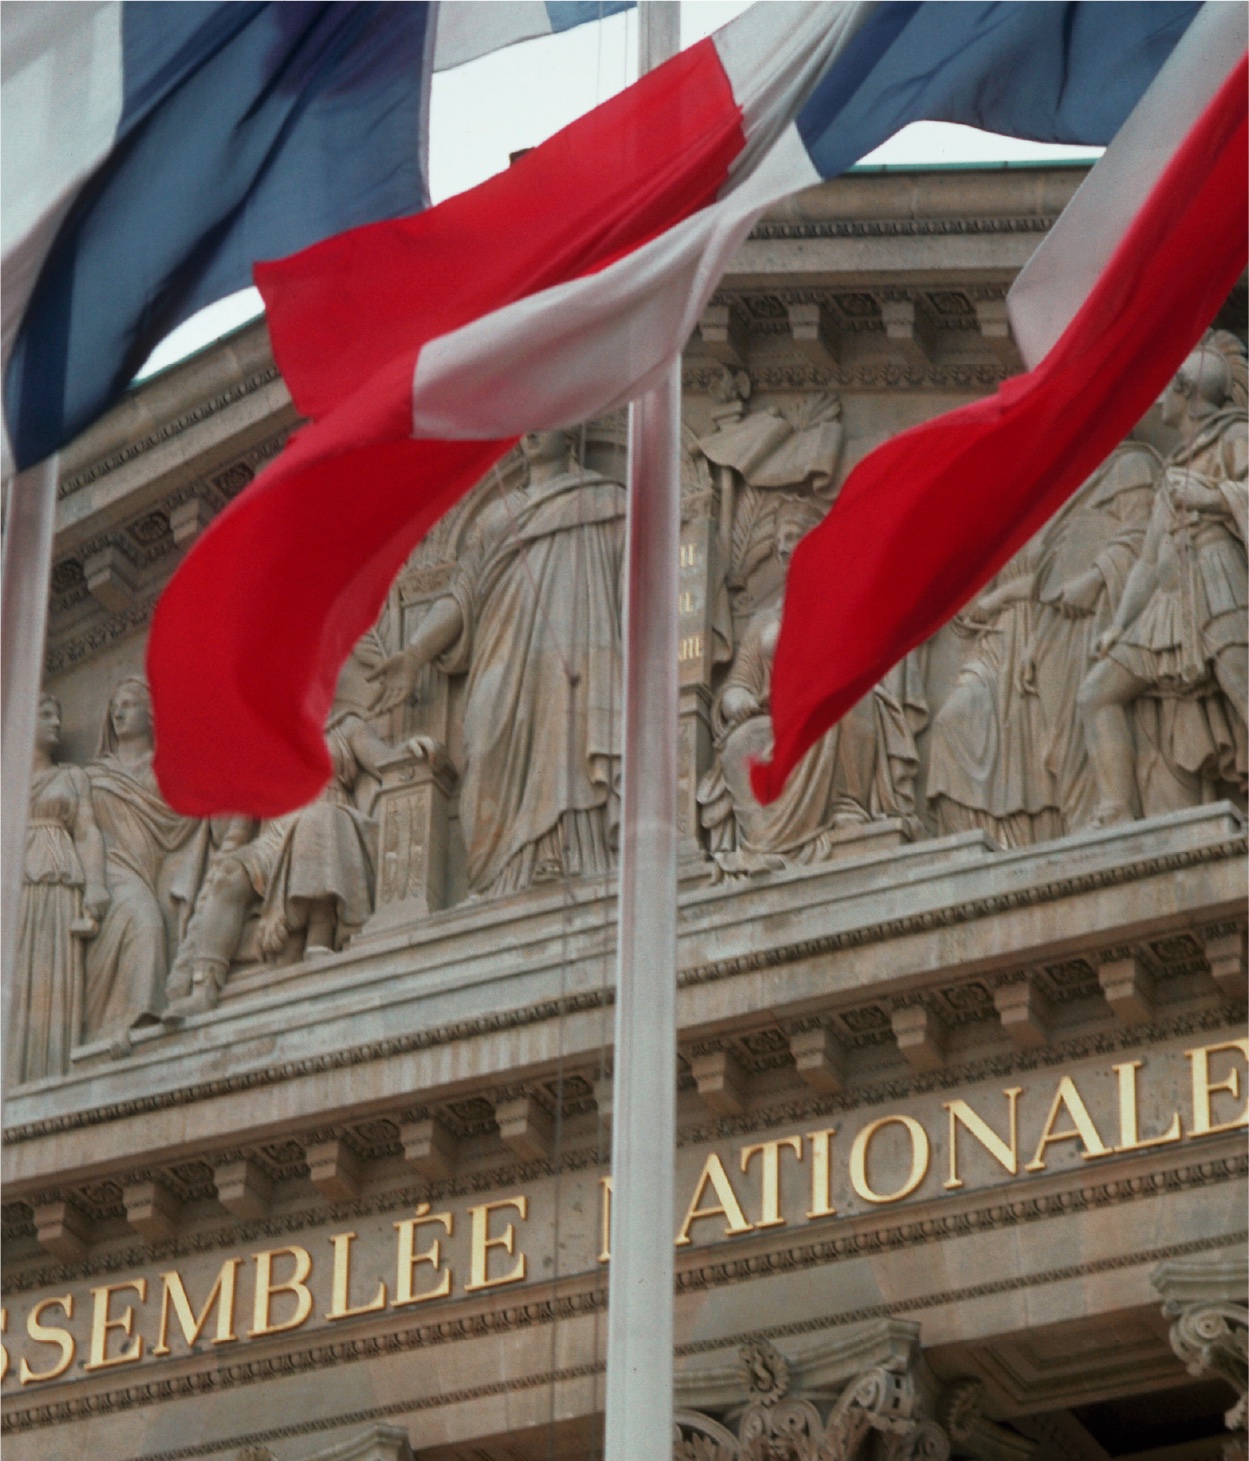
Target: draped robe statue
(63, 897)
(532, 616)
(154, 861)
(1179, 637)
(1007, 751)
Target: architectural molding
(218, 1375)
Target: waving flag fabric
(153, 152)
(421, 348)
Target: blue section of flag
(1046, 71)
(565, 14)
(248, 131)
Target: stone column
(1207, 1300)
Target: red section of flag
(616, 177)
(249, 637)
(927, 519)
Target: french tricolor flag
(420, 349)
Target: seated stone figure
(312, 872)
(861, 771)
(1177, 644)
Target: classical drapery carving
(1177, 640)
(1007, 753)
(63, 898)
(532, 618)
(154, 862)
(861, 771)
(306, 880)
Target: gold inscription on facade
(1068, 1098)
(888, 1160)
(482, 1243)
(410, 1258)
(860, 1155)
(769, 1153)
(961, 1114)
(103, 1322)
(266, 1288)
(174, 1296)
(341, 1306)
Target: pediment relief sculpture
(297, 886)
(1105, 675)
(862, 771)
(531, 620)
(1175, 650)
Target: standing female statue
(62, 880)
(154, 863)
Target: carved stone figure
(63, 897)
(1179, 634)
(312, 872)
(154, 861)
(1007, 751)
(862, 770)
(533, 617)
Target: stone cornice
(587, 1293)
(438, 1035)
(580, 1155)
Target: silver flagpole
(30, 517)
(639, 1318)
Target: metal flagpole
(29, 522)
(639, 1307)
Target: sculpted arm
(90, 844)
(438, 631)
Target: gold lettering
(1204, 1088)
(1069, 1098)
(481, 1243)
(1006, 1156)
(1129, 1129)
(409, 1258)
(770, 1176)
(102, 1323)
(266, 1288)
(48, 1334)
(687, 602)
(4, 1349)
(859, 1154)
(606, 1189)
(174, 1294)
(689, 555)
(727, 1207)
(821, 1174)
(340, 1283)
(691, 647)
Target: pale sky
(481, 112)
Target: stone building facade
(307, 1124)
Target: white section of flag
(1057, 279)
(60, 105)
(556, 357)
(467, 29)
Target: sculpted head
(1212, 376)
(129, 719)
(48, 725)
(546, 448)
